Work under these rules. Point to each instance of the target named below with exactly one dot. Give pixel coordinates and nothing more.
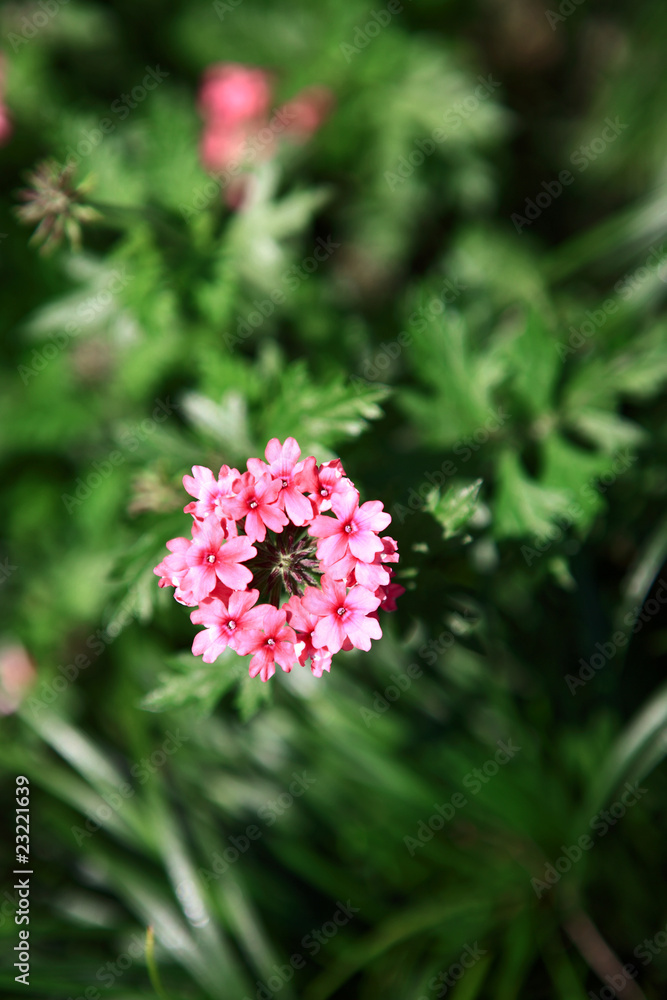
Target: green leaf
(575, 471)
(196, 683)
(523, 506)
(535, 363)
(453, 510)
(320, 415)
(225, 422)
(638, 750)
(607, 430)
(453, 368)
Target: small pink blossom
(6, 127)
(17, 676)
(331, 480)
(307, 111)
(210, 492)
(226, 622)
(255, 500)
(342, 614)
(303, 623)
(275, 644)
(295, 477)
(389, 595)
(234, 101)
(232, 94)
(377, 574)
(173, 568)
(353, 531)
(211, 558)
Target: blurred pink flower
(6, 127)
(221, 146)
(234, 101)
(307, 112)
(17, 675)
(234, 94)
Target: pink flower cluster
(5, 120)
(314, 556)
(235, 101)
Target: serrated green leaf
(535, 363)
(321, 415)
(575, 471)
(523, 507)
(193, 682)
(607, 430)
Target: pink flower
(225, 622)
(307, 111)
(256, 501)
(331, 479)
(210, 558)
(233, 94)
(295, 478)
(353, 532)
(273, 645)
(220, 146)
(342, 615)
(322, 578)
(389, 595)
(210, 492)
(234, 101)
(303, 622)
(17, 675)
(173, 568)
(376, 574)
(6, 127)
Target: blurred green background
(484, 345)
